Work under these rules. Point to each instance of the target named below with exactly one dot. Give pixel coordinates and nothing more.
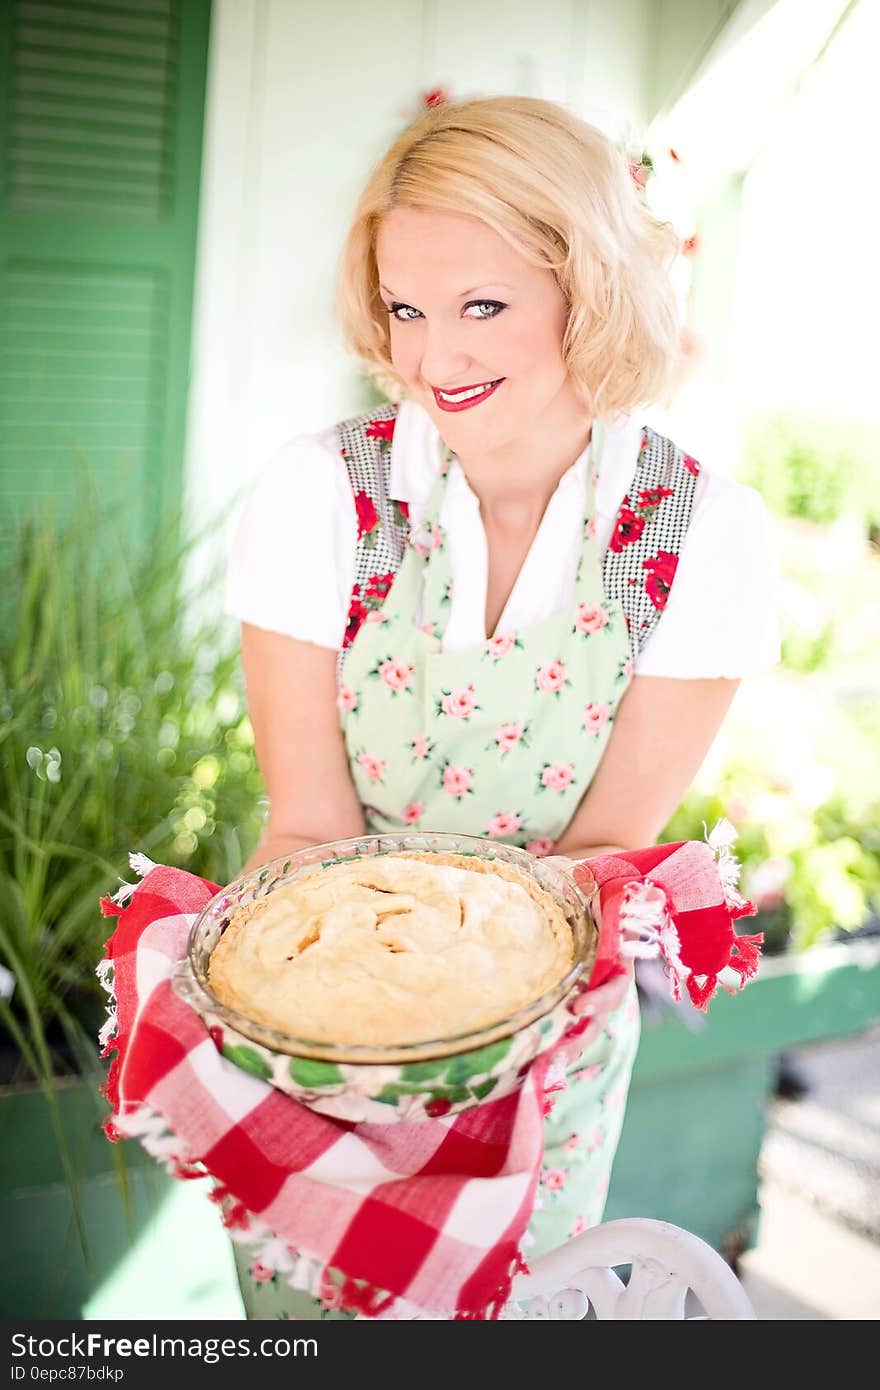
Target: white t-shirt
(291, 568)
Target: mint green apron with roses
(499, 740)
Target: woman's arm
(291, 691)
(662, 732)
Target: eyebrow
(489, 284)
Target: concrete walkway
(818, 1252)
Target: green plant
(810, 872)
(813, 467)
(828, 599)
(798, 764)
(122, 727)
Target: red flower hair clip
(641, 169)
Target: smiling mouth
(467, 396)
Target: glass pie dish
(405, 1081)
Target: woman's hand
(598, 1005)
(275, 847)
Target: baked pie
(393, 949)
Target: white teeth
(466, 395)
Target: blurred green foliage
(800, 774)
(122, 728)
(814, 467)
(821, 875)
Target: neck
(515, 481)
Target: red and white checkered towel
(399, 1220)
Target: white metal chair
(666, 1262)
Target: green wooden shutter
(100, 152)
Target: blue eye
(492, 304)
(393, 312)
(495, 305)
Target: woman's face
(468, 310)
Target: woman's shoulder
(719, 619)
(307, 457)
(716, 496)
(293, 545)
(315, 466)
(291, 563)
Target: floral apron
(498, 740)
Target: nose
(444, 359)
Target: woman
(500, 605)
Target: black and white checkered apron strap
(365, 445)
(649, 530)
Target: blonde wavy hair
(559, 192)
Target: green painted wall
(100, 152)
(683, 33)
(695, 1116)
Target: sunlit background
(176, 181)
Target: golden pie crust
(393, 949)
